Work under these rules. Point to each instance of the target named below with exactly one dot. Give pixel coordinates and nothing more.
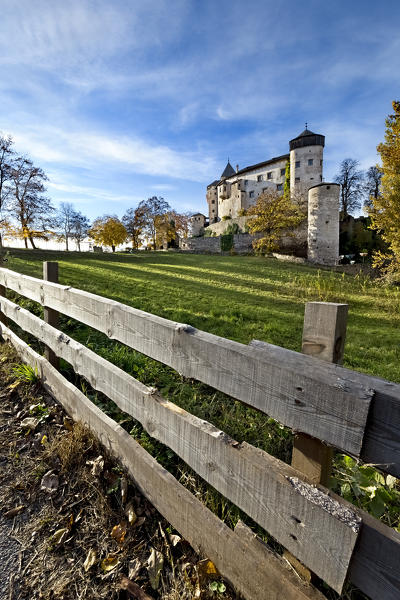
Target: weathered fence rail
(324, 400)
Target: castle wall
(323, 224)
(239, 192)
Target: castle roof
(228, 171)
(307, 138)
(263, 164)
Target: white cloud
(93, 150)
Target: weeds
(26, 374)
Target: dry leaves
(49, 482)
(154, 567)
(90, 560)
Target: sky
(122, 100)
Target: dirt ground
(72, 524)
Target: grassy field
(241, 298)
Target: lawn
(241, 298)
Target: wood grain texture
(50, 273)
(255, 481)
(244, 560)
(324, 334)
(324, 331)
(292, 388)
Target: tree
(182, 223)
(385, 209)
(6, 162)
(152, 209)
(351, 181)
(79, 228)
(108, 231)
(286, 185)
(65, 217)
(372, 185)
(32, 210)
(165, 229)
(274, 215)
(134, 221)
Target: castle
(236, 191)
(229, 197)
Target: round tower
(306, 161)
(323, 224)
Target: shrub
(226, 217)
(226, 242)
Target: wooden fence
(356, 413)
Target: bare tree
(372, 185)
(27, 203)
(65, 217)
(351, 180)
(80, 228)
(6, 162)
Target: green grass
(241, 298)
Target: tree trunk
(1, 241)
(26, 242)
(79, 246)
(66, 243)
(32, 242)
(113, 248)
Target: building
(235, 191)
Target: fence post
(324, 334)
(50, 273)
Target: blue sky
(122, 100)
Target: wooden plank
(252, 568)
(256, 482)
(50, 273)
(276, 382)
(2, 293)
(324, 334)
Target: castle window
(297, 164)
(279, 187)
(251, 194)
(320, 163)
(297, 179)
(212, 201)
(269, 175)
(283, 171)
(259, 177)
(310, 162)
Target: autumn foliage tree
(153, 210)
(108, 231)
(134, 221)
(385, 211)
(273, 215)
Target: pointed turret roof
(228, 171)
